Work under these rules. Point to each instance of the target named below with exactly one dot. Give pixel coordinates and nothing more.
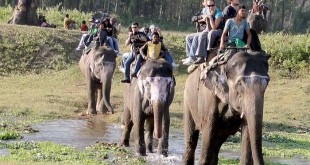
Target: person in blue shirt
(196, 43)
(235, 27)
(215, 24)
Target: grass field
(33, 95)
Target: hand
(246, 46)
(144, 57)
(130, 34)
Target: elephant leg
(191, 139)
(149, 128)
(91, 93)
(138, 120)
(127, 122)
(246, 152)
(163, 141)
(207, 140)
(99, 98)
(218, 141)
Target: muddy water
(82, 133)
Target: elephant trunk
(158, 109)
(253, 108)
(106, 81)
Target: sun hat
(152, 26)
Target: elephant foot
(141, 151)
(163, 152)
(91, 112)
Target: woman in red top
(84, 27)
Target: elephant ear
(215, 80)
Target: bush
(289, 52)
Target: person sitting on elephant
(156, 29)
(85, 39)
(230, 11)
(154, 50)
(97, 39)
(111, 34)
(136, 39)
(234, 29)
(208, 37)
(264, 9)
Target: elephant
(221, 99)
(257, 22)
(98, 67)
(147, 100)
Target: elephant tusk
(242, 114)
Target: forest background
(291, 16)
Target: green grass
(52, 87)
(48, 152)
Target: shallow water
(82, 133)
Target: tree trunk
(25, 13)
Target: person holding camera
(136, 39)
(196, 43)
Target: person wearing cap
(112, 34)
(153, 29)
(86, 38)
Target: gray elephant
(97, 68)
(219, 101)
(258, 23)
(147, 100)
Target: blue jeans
(191, 44)
(127, 63)
(113, 43)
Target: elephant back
(152, 68)
(104, 53)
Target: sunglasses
(210, 5)
(134, 27)
(236, 4)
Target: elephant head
(156, 86)
(257, 22)
(241, 84)
(98, 67)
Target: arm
(249, 38)
(215, 23)
(164, 49)
(225, 31)
(143, 51)
(128, 41)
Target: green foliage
(7, 135)
(5, 13)
(30, 151)
(27, 49)
(289, 52)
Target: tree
(25, 13)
